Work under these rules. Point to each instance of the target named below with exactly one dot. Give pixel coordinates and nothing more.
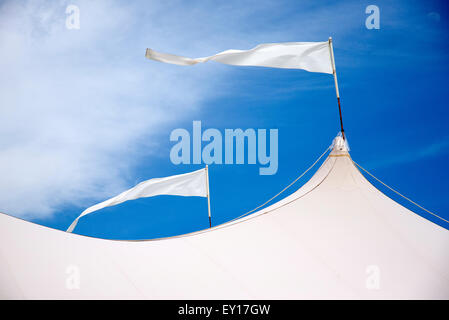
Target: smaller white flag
(310, 56)
(192, 184)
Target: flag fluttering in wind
(192, 184)
(310, 56)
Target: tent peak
(339, 145)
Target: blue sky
(85, 116)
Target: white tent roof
(330, 239)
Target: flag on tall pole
(192, 184)
(309, 56)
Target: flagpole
(208, 195)
(331, 49)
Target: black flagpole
(331, 49)
(208, 195)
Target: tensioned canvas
(327, 240)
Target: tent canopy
(336, 237)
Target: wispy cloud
(80, 108)
(431, 150)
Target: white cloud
(76, 105)
(79, 108)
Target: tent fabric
(337, 237)
(191, 184)
(310, 56)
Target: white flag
(192, 184)
(310, 56)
